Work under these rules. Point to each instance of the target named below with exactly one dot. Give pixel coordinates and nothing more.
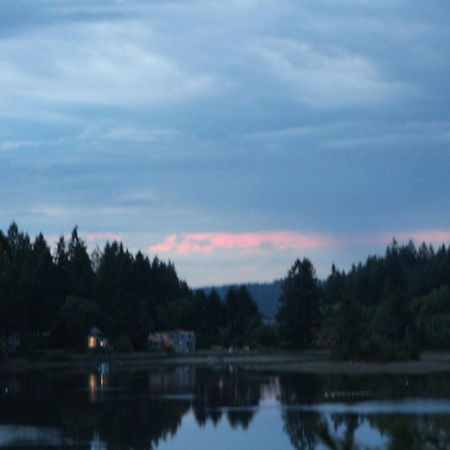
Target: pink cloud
(168, 244)
(205, 243)
(184, 243)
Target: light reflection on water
(207, 409)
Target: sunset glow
(209, 242)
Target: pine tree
(299, 305)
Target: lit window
(91, 343)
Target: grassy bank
(293, 362)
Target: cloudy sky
(230, 137)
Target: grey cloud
(327, 77)
(163, 117)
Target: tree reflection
(306, 431)
(139, 424)
(334, 443)
(129, 410)
(414, 433)
(300, 426)
(124, 416)
(302, 429)
(123, 410)
(230, 390)
(348, 421)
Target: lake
(203, 408)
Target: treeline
(390, 307)
(54, 297)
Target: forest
(390, 307)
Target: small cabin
(181, 341)
(96, 340)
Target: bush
(348, 330)
(266, 336)
(122, 344)
(394, 333)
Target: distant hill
(266, 295)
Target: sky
(229, 137)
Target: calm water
(231, 408)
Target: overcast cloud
(230, 137)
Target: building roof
(95, 332)
(162, 334)
(179, 330)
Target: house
(96, 341)
(181, 341)
(156, 341)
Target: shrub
(266, 336)
(122, 344)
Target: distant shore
(299, 362)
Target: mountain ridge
(265, 294)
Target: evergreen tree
(299, 305)
(433, 318)
(394, 331)
(61, 262)
(42, 301)
(19, 284)
(74, 320)
(213, 313)
(4, 246)
(347, 340)
(334, 289)
(242, 317)
(79, 269)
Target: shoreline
(146, 360)
(308, 362)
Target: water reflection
(98, 382)
(230, 392)
(114, 410)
